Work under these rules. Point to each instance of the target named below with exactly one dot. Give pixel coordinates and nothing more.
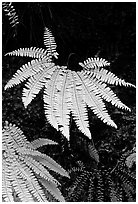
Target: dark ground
(81, 30)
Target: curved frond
(27, 70)
(108, 77)
(39, 169)
(52, 188)
(44, 160)
(108, 95)
(41, 142)
(94, 63)
(33, 52)
(78, 107)
(49, 42)
(93, 100)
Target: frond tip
(49, 42)
(22, 164)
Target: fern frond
(63, 102)
(39, 169)
(100, 187)
(112, 190)
(93, 100)
(36, 83)
(94, 62)
(6, 184)
(91, 190)
(94, 69)
(44, 160)
(19, 186)
(77, 188)
(52, 188)
(130, 160)
(13, 137)
(33, 52)
(31, 181)
(93, 152)
(28, 70)
(129, 192)
(49, 42)
(49, 98)
(79, 110)
(108, 77)
(21, 165)
(41, 142)
(108, 95)
(9, 10)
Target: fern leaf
(49, 98)
(49, 42)
(20, 186)
(93, 67)
(31, 182)
(91, 190)
(45, 161)
(11, 13)
(93, 152)
(113, 194)
(33, 52)
(130, 160)
(27, 70)
(107, 94)
(39, 169)
(14, 137)
(52, 188)
(94, 62)
(63, 103)
(6, 184)
(52, 165)
(108, 77)
(35, 84)
(93, 100)
(100, 187)
(79, 110)
(41, 142)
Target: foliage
(9, 10)
(99, 184)
(67, 91)
(108, 170)
(22, 165)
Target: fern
(50, 44)
(67, 92)
(131, 159)
(99, 184)
(9, 10)
(23, 164)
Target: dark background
(81, 30)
